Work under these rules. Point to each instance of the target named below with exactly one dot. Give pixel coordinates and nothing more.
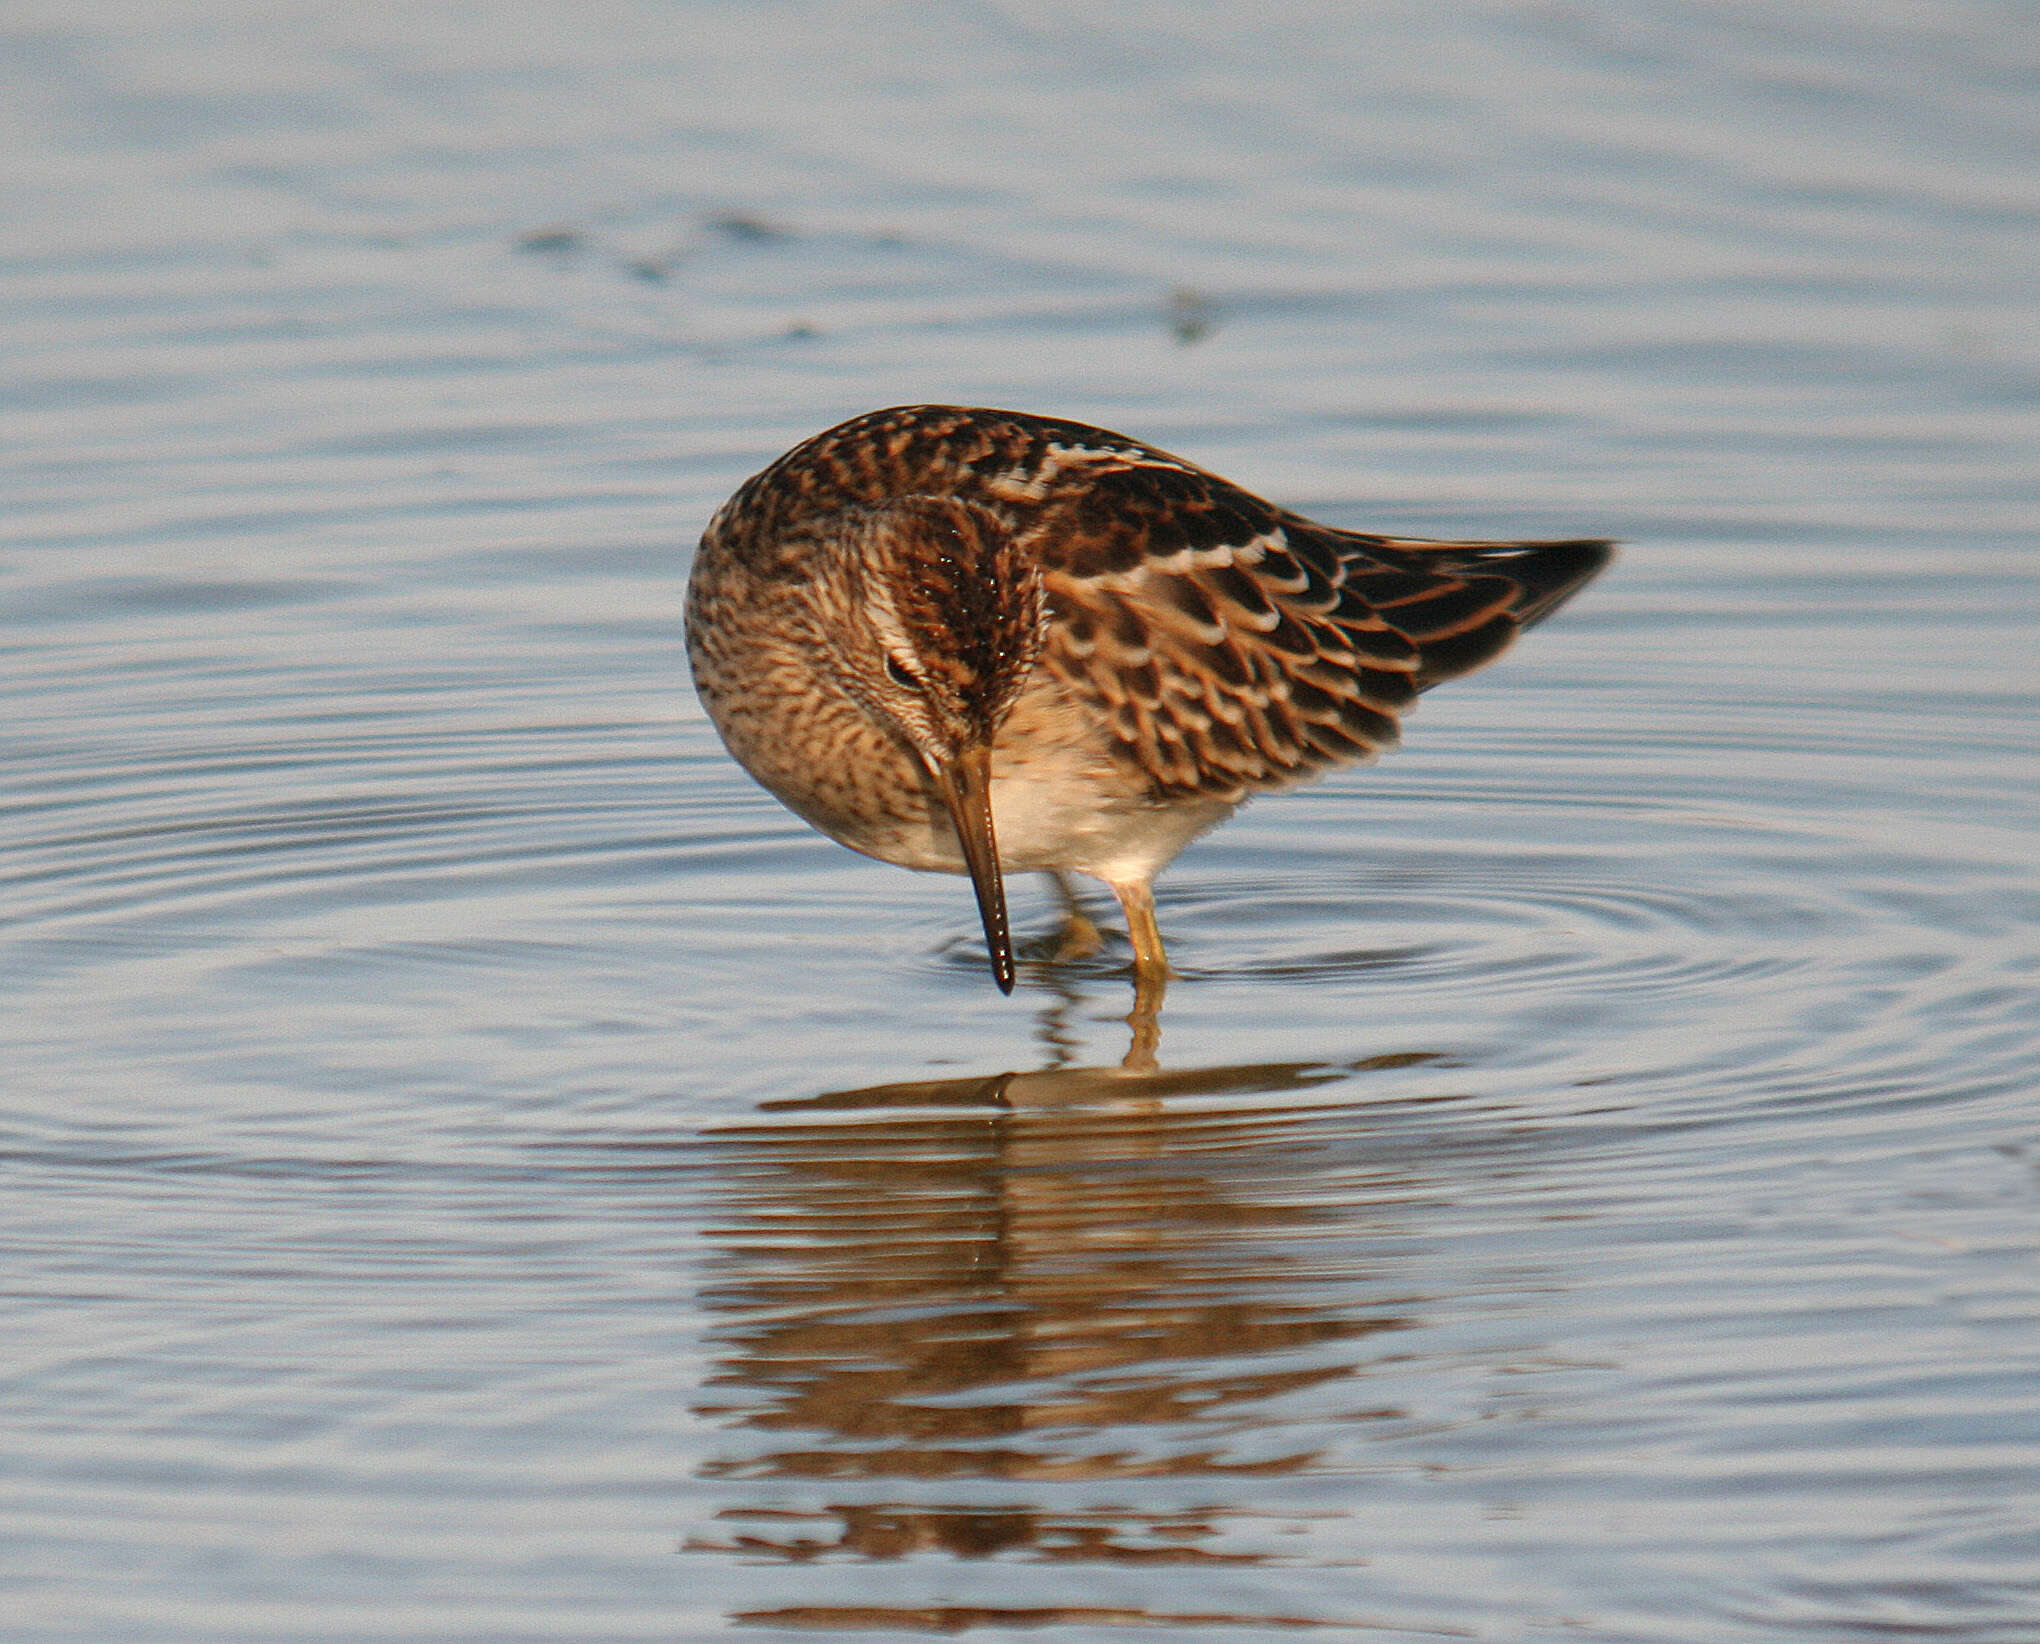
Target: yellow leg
(1137, 899)
(1078, 938)
(1150, 974)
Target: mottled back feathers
(1223, 645)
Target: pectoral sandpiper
(984, 642)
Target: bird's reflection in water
(978, 1313)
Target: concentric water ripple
(473, 1168)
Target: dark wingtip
(1552, 572)
(1545, 574)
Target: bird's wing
(1234, 647)
(1229, 645)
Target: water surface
(473, 1168)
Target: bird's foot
(1078, 939)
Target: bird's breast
(1062, 798)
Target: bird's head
(932, 620)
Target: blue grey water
(473, 1168)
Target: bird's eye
(897, 670)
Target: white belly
(1060, 798)
(1054, 813)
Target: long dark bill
(967, 790)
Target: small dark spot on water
(551, 240)
(747, 226)
(1191, 314)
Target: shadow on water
(1042, 1317)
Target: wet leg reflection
(1040, 1316)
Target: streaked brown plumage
(986, 642)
